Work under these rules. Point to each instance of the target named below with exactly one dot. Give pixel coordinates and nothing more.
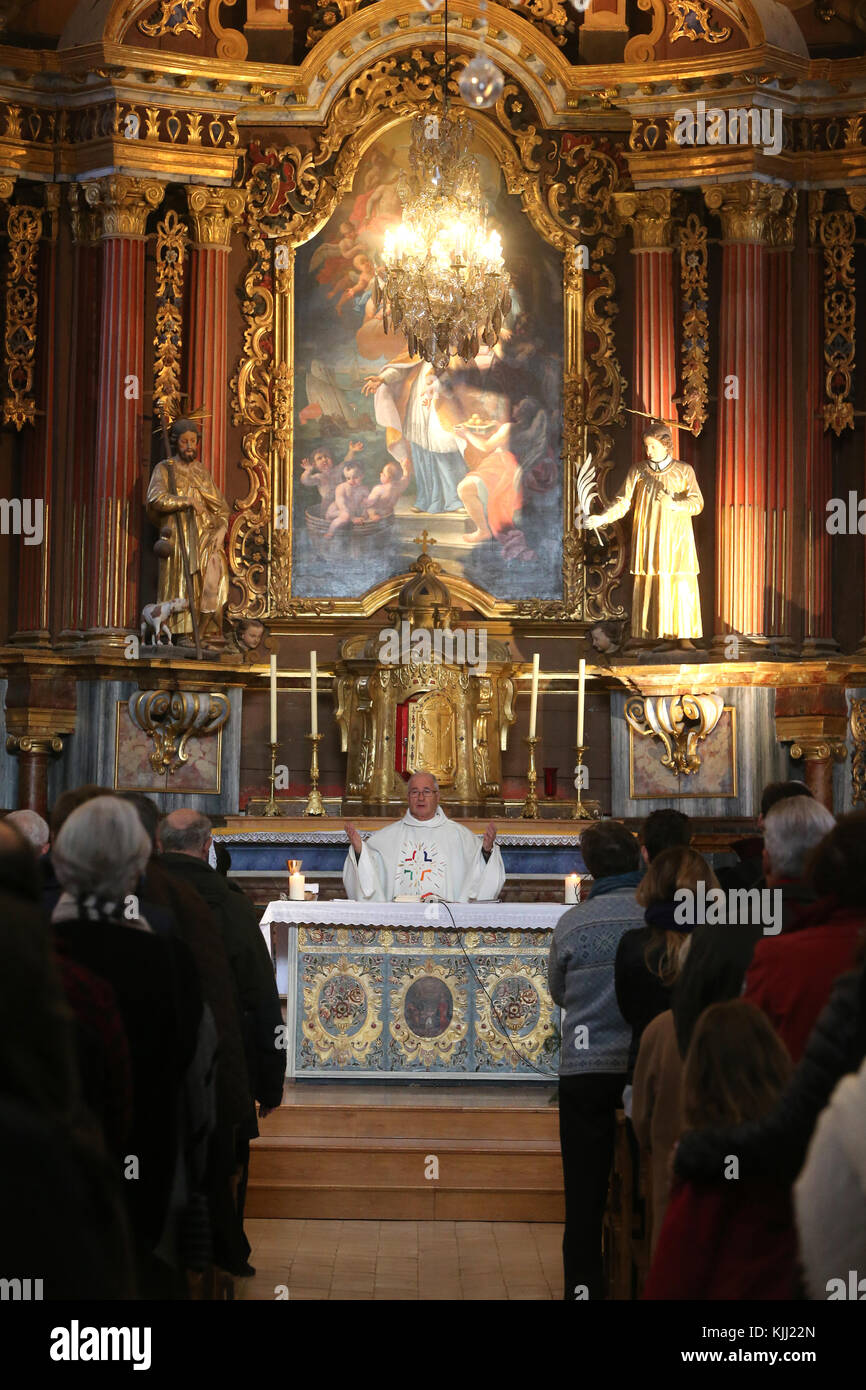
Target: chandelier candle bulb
(533, 699)
(572, 882)
(314, 695)
(581, 697)
(273, 699)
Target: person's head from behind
(101, 850)
(185, 832)
(792, 829)
(736, 1067)
(774, 792)
(148, 813)
(33, 828)
(69, 801)
(837, 866)
(662, 830)
(670, 872)
(19, 868)
(609, 849)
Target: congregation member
(235, 1122)
(423, 855)
(99, 856)
(723, 1239)
(185, 841)
(748, 872)
(792, 974)
(595, 1043)
(647, 958)
(664, 829)
(792, 829)
(33, 827)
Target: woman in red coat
(727, 1237)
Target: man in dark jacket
(185, 840)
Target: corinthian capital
(215, 213)
(123, 203)
(746, 209)
(651, 214)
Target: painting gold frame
(678, 795)
(166, 785)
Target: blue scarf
(614, 881)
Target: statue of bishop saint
(423, 856)
(663, 495)
(189, 492)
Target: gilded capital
(123, 203)
(857, 200)
(651, 213)
(215, 213)
(781, 224)
(7, 187)
(745, 209)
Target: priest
(424, 856)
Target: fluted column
(651, 215)
(215, 213)
(111, 603)
(744, 436)
(73, 513)
(818, 637)
(781, 500)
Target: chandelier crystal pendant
(443, 279)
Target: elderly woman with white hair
(99, 856)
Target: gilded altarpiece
(316, 214)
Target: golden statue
(182, 492)
(664, 495)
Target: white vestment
(417, 858)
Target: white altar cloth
(423, 916)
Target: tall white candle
(533, 701)
(273, 699)
(314, 695)
(571, 888)
(581, 694)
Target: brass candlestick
(271, 807)
(315, 805)
(530, 805)
(583, 810)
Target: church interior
(432, 655)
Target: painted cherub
(354, 283)
(319, 472)
(383, 498)
(350, 502)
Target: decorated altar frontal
(409, 990)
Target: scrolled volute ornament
(170, 717)
(681, 722)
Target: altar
(409, 990)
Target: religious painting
(385, 449)
(716, 776)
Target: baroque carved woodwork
(171, 717)
(23, 231)
(171, 246)
(679, 722)
(695, 337)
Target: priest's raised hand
(354, 838)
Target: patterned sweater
(595, 1036)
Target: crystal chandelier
(443, 279)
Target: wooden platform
(409, 1153)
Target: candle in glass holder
(572, 887)
(296, 881)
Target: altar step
(367, 1161)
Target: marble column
(651, 215)
(781, 499)
(215, 213)
(113, 535)
(744, 435)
